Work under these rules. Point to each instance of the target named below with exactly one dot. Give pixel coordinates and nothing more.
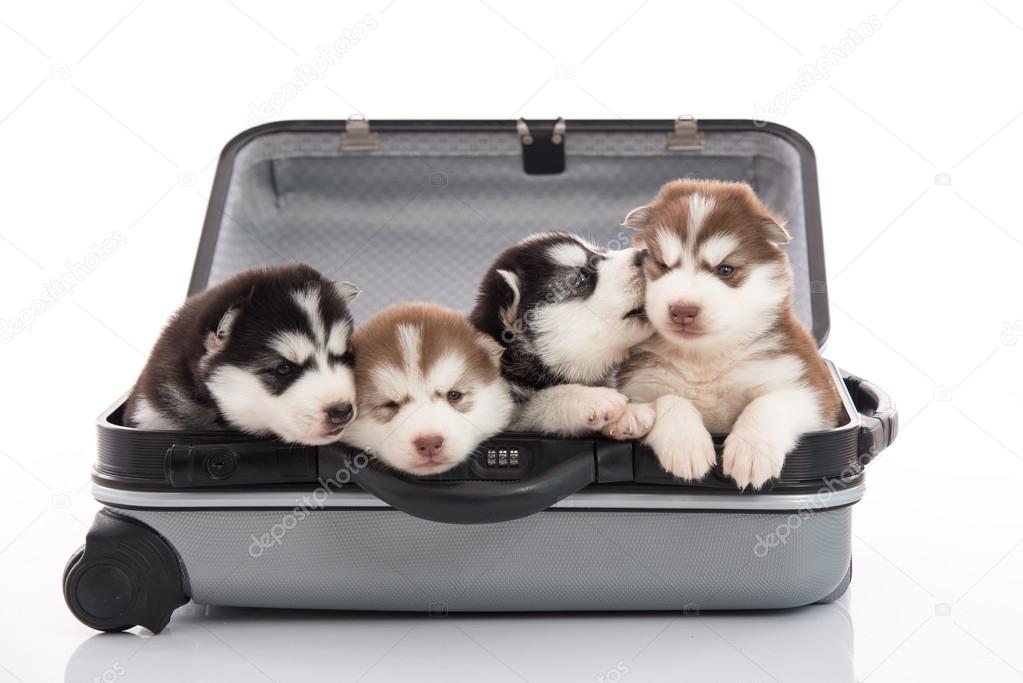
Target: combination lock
(502, 457)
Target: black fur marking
(275, 382)
(345, 359)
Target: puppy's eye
(725, 270)
(582, 276)
(455, 396)
(659, 263)
(390, 405)
(284, 369)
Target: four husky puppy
(689, 334)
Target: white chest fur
(719, 387)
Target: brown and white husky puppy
(729, 355)
(429, 388)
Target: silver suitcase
(416, 210)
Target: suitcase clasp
(358, 137)
(543, 148)
(686, 136)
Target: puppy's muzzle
(429, 446)
(683, 314)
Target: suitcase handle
(473, 502)
(879, 419)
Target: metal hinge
(686, 135)
(358, 137)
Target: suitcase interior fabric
(422, 216)
(584, 524)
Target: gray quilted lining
(421, 218)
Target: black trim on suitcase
(180, 461)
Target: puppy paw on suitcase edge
(751, 460)
(687, 453)
(634, 422)
(596, 407)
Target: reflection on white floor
(233, 644)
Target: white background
(112, 115)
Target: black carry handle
(473, 502)
(879, 420)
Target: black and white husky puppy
(567, 313)
(265, 352)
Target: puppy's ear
(775, 231)
(493, 349)
(347, 291)
(637, 218)
(217, 338)
(510, 312)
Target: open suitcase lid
(417, 210)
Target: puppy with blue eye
(729, 355)
(266, 352)
(566, 314)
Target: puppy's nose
(428, 445)
(639, 257)
(683, 313)
(339, 414)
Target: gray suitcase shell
(416, 211)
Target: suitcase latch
(543, 147)
(358, 137)
(686, 136)
(189, 465)
(872, 438)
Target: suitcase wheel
(125, 575)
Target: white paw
(751, 461)
(596, 407)
(634, 422)
(687, 453)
